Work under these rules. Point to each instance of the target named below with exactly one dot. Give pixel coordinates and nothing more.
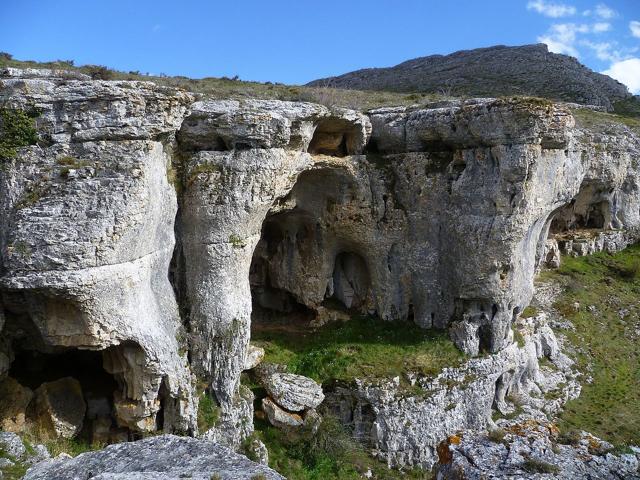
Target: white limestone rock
(164, 457)
(293, 392)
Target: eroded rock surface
(141, 231)
(532, 449)
(165, 457)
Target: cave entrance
(277, 265)
(588, 212)
(74, 381)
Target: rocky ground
(494, 71)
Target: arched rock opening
(336, 137)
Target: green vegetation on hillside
(327, 453)
(601, 122)
(601, 298)
(363, 347)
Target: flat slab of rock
(280, 418)
(166, 457)
(293, 392)
(60, 407)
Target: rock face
(524, 70)
(141, 229)
(532, 449)
(164, 457)
(87, 236)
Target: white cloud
(561, 37)
(601, 27)
(553, 10)
(604, 50)
(634, 26)
(627, 72)
(604, 12)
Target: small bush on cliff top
(606, 343)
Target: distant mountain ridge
(493, 71)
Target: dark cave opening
(33, 369)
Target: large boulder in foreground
(293, 392)
(60, 407)
(166, 457)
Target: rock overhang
(447, 206)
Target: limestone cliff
(139, 230)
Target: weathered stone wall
(437, 214)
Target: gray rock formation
(494, 71)
(164, 457)
(87, 222)
(60, 407)
(532, 450)
(404, 424)
(138, 232)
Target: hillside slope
(494, 71)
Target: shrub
(535, 465)
(99, 72)
(17, 130)
(497, 435)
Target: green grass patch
(605, 341)
(601, 122)
(328, 453)
(363, 347)
(535, 465)
(208, 412)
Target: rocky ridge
(143, 228)
(493, 71)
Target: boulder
(164, 457)
(60, 407)
(253, 357)
(293, 392)
(14, 399)
(280, 418)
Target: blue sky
(295, 41)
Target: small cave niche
(350, 281)
(589, 210)
(81, 379)
(335, 137)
